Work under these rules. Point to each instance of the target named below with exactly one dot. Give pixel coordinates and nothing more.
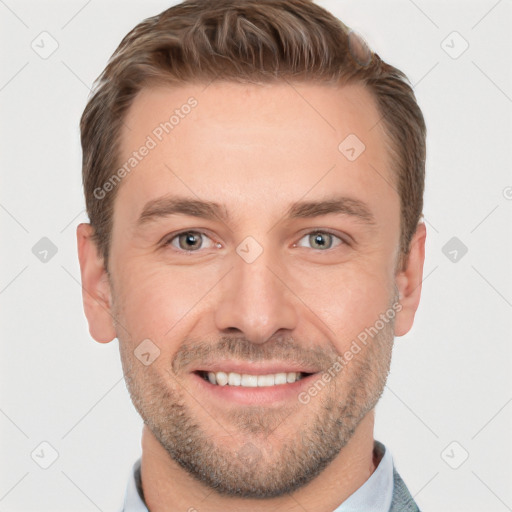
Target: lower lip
(264, 395)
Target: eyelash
(175, 236)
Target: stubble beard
(252, 454)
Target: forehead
(253, 145)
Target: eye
(189, 241)
(321, 240)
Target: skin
(255, 150)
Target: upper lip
(254, 368)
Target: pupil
(319, 239)
(191, 240)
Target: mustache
(281, 349)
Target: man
(254, 178)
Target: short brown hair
(247, 41)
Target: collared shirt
(375, 494)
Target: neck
(167, 486)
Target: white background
(451, 375)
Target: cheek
(155, 299)
(348, 300)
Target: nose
(255, 300)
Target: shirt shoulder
(402, 500)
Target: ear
(96, 293)
(409, 280)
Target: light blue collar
(377, 492)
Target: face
(250, 251)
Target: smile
(251, 381)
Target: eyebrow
(339, 204)
(172, 205)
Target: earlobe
(409, 280)
(96, 292)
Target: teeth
(291, 377)
(266, 380)
(222, 378)
(252, 381)
(280, 378)
(234, 379)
